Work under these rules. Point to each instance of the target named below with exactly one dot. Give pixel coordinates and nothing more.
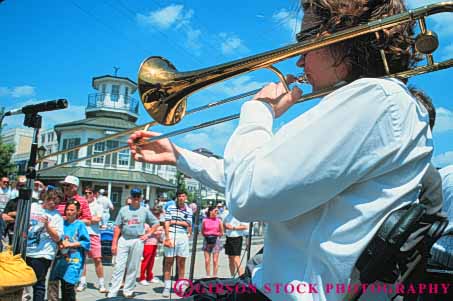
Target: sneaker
(103, 289)
(81, 287)
(155, 280)
(129, 296)
(166, 292)
(144, 282)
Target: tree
(6, 165)
(180, 182)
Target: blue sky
(53, 49)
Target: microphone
(51, 105)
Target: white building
(22, 139)
(48, 139)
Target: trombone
(164, 91)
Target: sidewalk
(154, 291)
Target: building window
(126, 95)
(103, 88)
(68, 144)
(115, 92)
(99, 148)
(43, 138)
(123, 157)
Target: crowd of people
(65, 230)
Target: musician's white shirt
(324, 182)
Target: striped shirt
(177, 214)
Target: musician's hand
(277, 97)
(158, 152)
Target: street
(154, 291)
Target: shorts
(181, 248)
(233, 246)
(95, 247)
(214, 248)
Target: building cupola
(113, 98)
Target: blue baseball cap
(136, 191)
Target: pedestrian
(5, 193)
(10, 211)
(150, 250)
(44, 233)
(234, 231)
(97, 211)
(69, 263)
(107, 206)
(127, 244)
(178, 220)
(70, 185)
(212, 230)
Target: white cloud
(289, 19)
(444, 159)
(172, 15)
(193, 38)
(17, 92)
(177, 18)
(213, 138)
(444, 120)
(237, 85)
(231, 44)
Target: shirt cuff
(185, 161)
(257, 112)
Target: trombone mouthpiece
(302, 79)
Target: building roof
(99, 174)
(114, 77)
(102, 122)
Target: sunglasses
(136, 195)
(4, 182)
(88, 192)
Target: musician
(338, 169)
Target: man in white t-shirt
(107, 205)
(233, 245)
(95, 253)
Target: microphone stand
(194, 239)
(249, 241)
(33, 120)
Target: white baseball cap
(71, 180)
(101, 191)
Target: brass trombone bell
(156, 83)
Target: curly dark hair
(427, 102)
(362, 53)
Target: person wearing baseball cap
(69, 185)
(128, 243)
